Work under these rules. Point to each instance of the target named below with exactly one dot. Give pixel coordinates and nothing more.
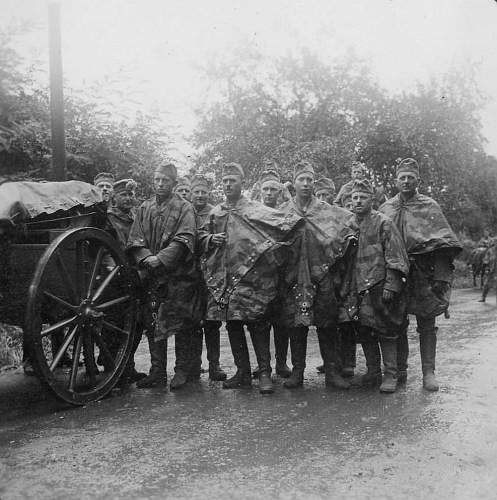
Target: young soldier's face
(325, 195)
(106, 189)
(358, 173)
(361, 203)
(125, 200)
(163, 184)
(232, 186)
(407, 182)
(304, 185)
(200, 196)
(184, 192)
(269, 194)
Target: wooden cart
(68, 283)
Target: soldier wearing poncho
(201, 188)
(374, 302)
(431, 245)
(240, 268)
(358, 171)
(184, 188)
(104, 181)
(162, 242)
(324, 189)
(311, 276)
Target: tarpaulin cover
(20, 201)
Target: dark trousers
(427, 336)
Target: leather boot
(389, 355)
(196, 355)
(184, 347)
(212, 343)
(281, 341)
(402, 354)
(372, 378)
(158, 359)
(329, 343)
(239, 349)
(428, 349)
(259, 333)
(298, 351)
(347, 349)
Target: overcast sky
(157, 43)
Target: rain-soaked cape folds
(242, 274)
(155, 227)
(379, 261)
(312, 270)
(429, 240)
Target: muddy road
(205, 442)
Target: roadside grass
(10, 346)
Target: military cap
(408, 165)
(363, 186)
(324, 183)
(301, 167)
(270, 176)
(168, 169)
(104, 176)
(201, 180)
(124, 185)
(233, 169)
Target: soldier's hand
(218, 239)
(152, 262)
(388, 296)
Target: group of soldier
(296, 257)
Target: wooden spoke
(115, 328)
(57, 326)
(105, 283)
(82, 267)
(59, 300)
(66, 278)
(95, 271)
(75, 363)
(69, 338)
(104, 349)
(113, 302)
(89, 354)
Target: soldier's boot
(389, 355)
(402, 354)
(239, 349)
(184, 346)
(196, 355)
(428, 350)
(329, 343)
(130, 374)
(281, 341)
(213, 345)
(158, 360)
(259, 333)
(372, 378)
(348, 350)
(298, 351)
(484, 294)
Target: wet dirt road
(206, 442)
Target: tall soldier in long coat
(240, 267)
(431, 245)
(312, 276)
(374, 300)
(201, 188)
(162, 242)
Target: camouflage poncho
(308, 293)
(380, 261)
(431, 245)
(156, 226)
(119, 224)
(242, 274)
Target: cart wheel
(81, 315)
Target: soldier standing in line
(240, 267)
(358, 171)
(162, 242)
(201, 188)
(312, 275)
(374, 303)
(431, 245)
(104, 181)
(271, 191)
(184, 188)
(324, 189)
(490, 262)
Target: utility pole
(56, 93)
